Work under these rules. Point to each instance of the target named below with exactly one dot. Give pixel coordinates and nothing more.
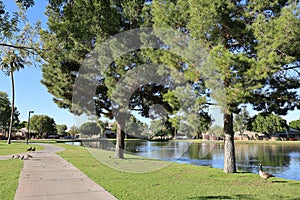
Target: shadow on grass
(295, 183)
(213, 197)
(148, 159)
(280, 182)
(238, 196)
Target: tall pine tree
(75, 31)
(253, 47)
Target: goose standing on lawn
(264, 175)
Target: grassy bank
(178, 181)
(266, 142)
(241, 141)
(9, 177)
(16, 147)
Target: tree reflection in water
(282, 160)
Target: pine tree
(253, 47)
(138, 77)
(75, 28)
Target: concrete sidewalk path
(48, 176)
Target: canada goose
(29, 149)
(263, 174)
(15, 156)
(26, 157)
(33, 149)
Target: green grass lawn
(10, 169)
(16, 147)
(170, 181)
(176, 181)
(9, 177)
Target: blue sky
(32, 95)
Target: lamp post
(28, 126)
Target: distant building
(290, 134)
(21, 133)
(247, 135)
(53, 136)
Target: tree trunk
(198, 135)
(120, 144)
(229, 151)
(12, 107)
(175, 132)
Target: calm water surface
(281, 160)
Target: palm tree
(18, 45)
(11, 63)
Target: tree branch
(17, 47)
(292, 67)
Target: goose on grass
(264, 175)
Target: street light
(28, 126)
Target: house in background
(246, 135)
(291, 134)
(21, 134)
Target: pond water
(282, 160)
